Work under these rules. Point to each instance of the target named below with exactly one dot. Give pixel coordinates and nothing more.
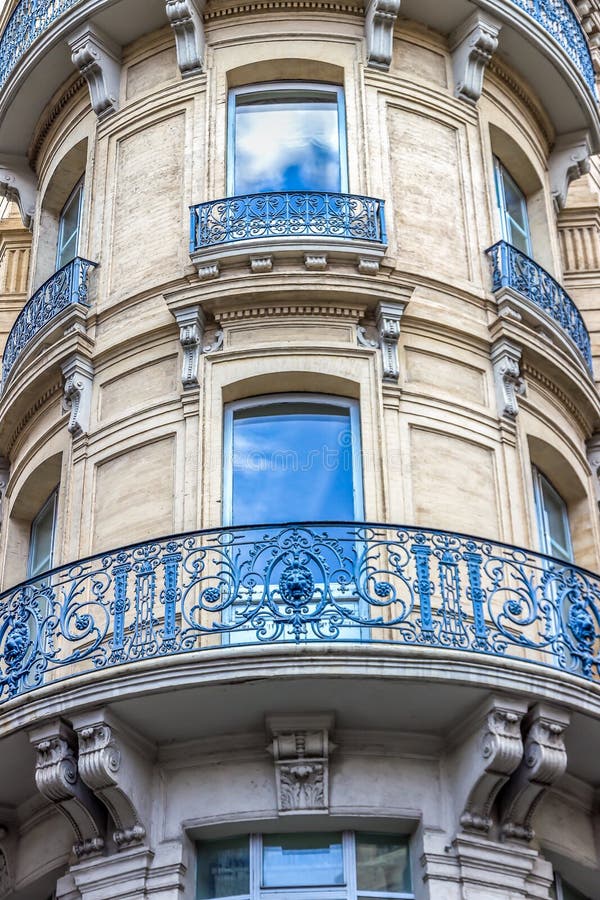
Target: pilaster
(123, 875)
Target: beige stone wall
(436, 451)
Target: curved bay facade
(300, 442)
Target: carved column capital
(78, 373)
(113, 767)
(570, 159)
(388, 317)
(380, 17)
(57, 779)
(98, 58)
(186, 21)
(19, 184)
(300, 749)
(472, 46)
(509, 384)
(544, 760)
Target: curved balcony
(543, 39)
(284, 223)
(513, 269)
(65, 288)
(325, 582)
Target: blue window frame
(512, 207)
(308, 866)
(69, 227)
(292, 458)
(41, 544)
(553, 519)
(287, 136)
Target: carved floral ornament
(300, 748)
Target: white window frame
(500, 173)
(541, 483)
(265, 400)
(271, 89)
(346, 891)
(77, 191)
(52, 501)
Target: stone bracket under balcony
(525, 292)
(310, 228)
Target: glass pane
(223, 868)
(286, 143)
(302, 860)
(556, 517)
(292, 462)
(69, 230)
(516, 207)
(42, 533)
(571, 893)
(382, 863)
(517, 237)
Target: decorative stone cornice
(98, 58)
(53, 110)
(544, 760)
(78, 373)
(509, 383)
(570, 159)
(351, 313)
(472, 46)
(117, 773)
(19, 184)
(186, 18)
(380, 17)
(238, 9)
(57, 779)
(593, 457)
(300, 749)
(484, 760)
(4, 477)
(387, 317)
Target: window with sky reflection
(287, 139)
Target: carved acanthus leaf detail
(301, 749)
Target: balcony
(287, 223)
(66, 287)
(513, 270)
(318, 583)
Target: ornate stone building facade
(297, 296)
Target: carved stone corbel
(472, 46)
(593, 456)
(78, 373)
(186, 21)
(380, 17)
(57, 779)
(486, 751)
(191, 321)
(387, 317)
(506, 359)
(118, 774)
(19, 184)
(544, 760)
(98, 58)
(300, 749)
(4, 478)
(570, 159)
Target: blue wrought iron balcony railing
(65, 287)
(31, 18)
(287, 214)
(316, 582)
(512, 268)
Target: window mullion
(349, 851)
(255, 865)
